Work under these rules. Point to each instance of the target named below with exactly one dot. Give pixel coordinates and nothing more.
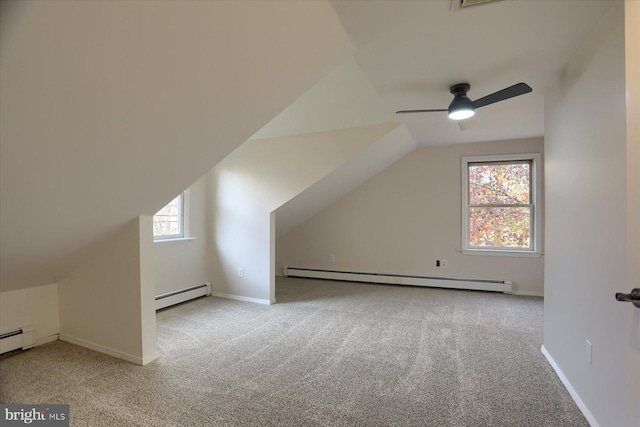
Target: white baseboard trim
(241, 298)
(150, 358)
(108, 350)
(45, 340)
(528, 293)
(576, 398)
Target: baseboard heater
(24, 338)
(182, 295)
(401, 279)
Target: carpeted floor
(328, 354)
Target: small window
(500, 204)
(170, 222)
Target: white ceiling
(351, 174)
(110, 109)
(87, 132)
(343, 99)
(413, 51)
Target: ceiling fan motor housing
(460, 89)
(460, 99)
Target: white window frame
(536, 201)
(183, 218)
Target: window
(500, 203)
(170, 222)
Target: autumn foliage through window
(500, 205)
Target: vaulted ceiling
(109, 109)
(408, 54)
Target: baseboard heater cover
(401, 279)
(182, 295)
(23, 337)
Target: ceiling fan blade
(418, 111)
(501, 95)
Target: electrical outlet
(437, 263)
(241, 272)
(333, 258)
(587, 353)
(443, 263)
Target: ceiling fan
(463, 108)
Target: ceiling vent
(463, 4)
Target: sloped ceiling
(109, 109)
(344, 100)
(266, 173)
(364, 165)
(408, 54)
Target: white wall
(632, 71)
(146, 288)
(109, 109)
(106, 303)
(255, 180)
(37, 306)
(186, 263)
(371, 160)
(590, 191)
(404, 218)
(343, 99)
(632, 66)
(101, 99)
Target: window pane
(502, 227)
(166, 222)
(499, 183)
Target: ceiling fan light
(461, 114)
(461, 107)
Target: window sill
(488, 252)
(177, 240)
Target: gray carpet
(328, 354)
